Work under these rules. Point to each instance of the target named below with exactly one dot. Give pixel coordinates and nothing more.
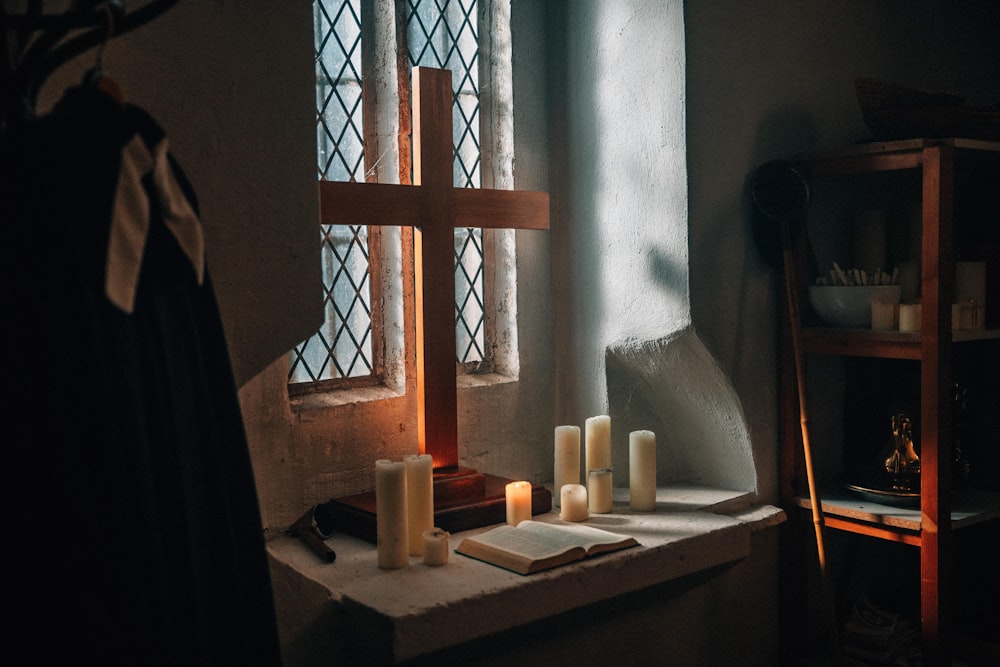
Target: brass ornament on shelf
(902, 462)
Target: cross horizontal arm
(343, 203)
(387, 204)
(501, 209)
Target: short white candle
(642, 471)
(393, 540)
(883, 316)
(567, 457)
(599, 491)
(419, 498)
(435, 546)
(573, 502)
(909, 317)
(518, 502)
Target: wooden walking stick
(781, 195)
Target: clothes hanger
(97, 76)
(40, 43)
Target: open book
(534, 546)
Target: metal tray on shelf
(885, 496)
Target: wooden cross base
(463, 499)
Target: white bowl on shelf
(849, 306)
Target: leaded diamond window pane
(444, 34)
(342, 348)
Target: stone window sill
(353, 606)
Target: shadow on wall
(673, 387)
(784, 132)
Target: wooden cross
(434, 208)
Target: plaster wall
(620, 245)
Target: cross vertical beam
(434, 273)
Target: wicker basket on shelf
(894, 111)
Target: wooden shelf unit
(930, 526)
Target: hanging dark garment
(135, 527)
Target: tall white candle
(518, 502)
(567, 458)
(599, 491)
(598, 443)
(642, 471)
(393, 540)
(419, 499)
(435, 546)
(909, 317)
(573, 502)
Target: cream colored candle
(642, 471)
(435, 546)
(393, 539)
(567, 458)
(598, 443)
(419, 499)
(909, 317)
(599, 491)
(518, 502)
(598, 447)
(883, 316)
(573, 502)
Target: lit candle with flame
(518, 502)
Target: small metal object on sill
(314, 528)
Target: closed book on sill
(533, 546)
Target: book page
(526, 543)
(573, 535)
(535, 540)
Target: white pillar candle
(909, 317)
(567, 458)
(573, 502)
(883, 316)
(393, 539)
(435, 546)
(419, 499)
(642, 471)
(598, 450)
(518, 502)
(598, 443)
(599, 491)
